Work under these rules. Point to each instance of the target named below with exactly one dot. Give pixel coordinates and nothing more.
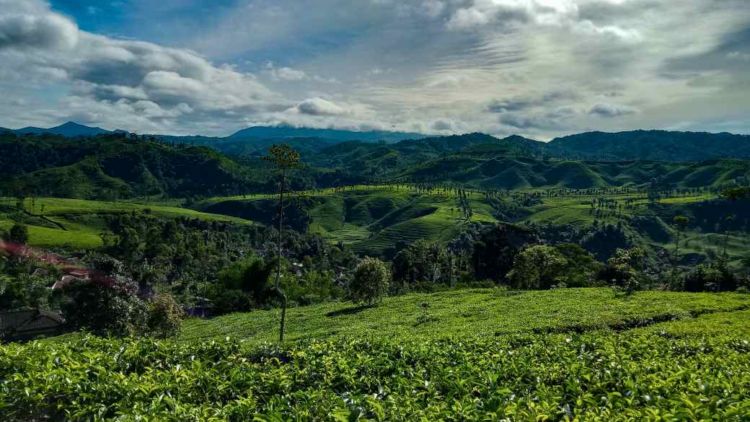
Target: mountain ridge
(654, 145)
(68, 129)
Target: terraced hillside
(523, 173)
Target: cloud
(285, 73)
(611, 110)
(531, 100)
(442, 125)
(555, 13)
(27, 31)
(319, 107)
(438, 66)
(289, 74)
(144, 80)
(556, 119)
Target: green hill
(462, 314)
(650, 145)
(114, 166)
(78, 224)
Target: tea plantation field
(556, 355)
(474, 312)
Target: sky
(538, 68)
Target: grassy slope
(77, 223)
(371, 219)
(351, 215)
(374, 218)
(466, 313)
(575, 209)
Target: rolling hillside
(79, 224)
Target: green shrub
(371, 280)
(421, 264)
(716, 277)
(18, 233)
(537, 267)
(623, 270)
(164, 316)
(104, 307)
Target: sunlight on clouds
(497, 66)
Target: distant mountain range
(286, 132)
(653, 145)
(69, 130)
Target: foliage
(482, 312)
(681, 221)
(249, 276)
(423, 262)
(24, 291)
(581, 267)
(714, 277)
(737, 193)
(605, 240)
(23, 284)
(283, 158)
(623, 269)
(537, 267)
(496, 249)
(18, 233)
(370, 282)
(597, 376)
(115, 167)
(164, 316)
(105, 307)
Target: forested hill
(653, 145)
(650, 145)
(591, 146)
(125, 166)
(113, 166)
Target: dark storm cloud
(550, 99)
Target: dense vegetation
(451, 222)
(459, 278)
(689, 369)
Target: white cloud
(289, 74)
(537, 67)
(45, 31)
(139, 80)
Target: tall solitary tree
(284, 160)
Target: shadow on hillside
(348, 311)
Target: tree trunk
(283, 317)
(278, 258)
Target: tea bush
(605, 376)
